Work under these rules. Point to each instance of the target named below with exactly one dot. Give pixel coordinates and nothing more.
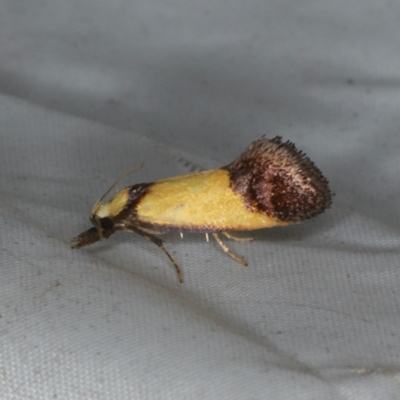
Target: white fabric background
(89, 89)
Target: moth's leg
(159, 243)
(237, 238)
(227, 251)
(207, 238)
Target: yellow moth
(270, 184)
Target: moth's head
(103, 215)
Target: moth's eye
(106, 223)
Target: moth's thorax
(113, 207)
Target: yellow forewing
(201, 201)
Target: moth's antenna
(114, 184)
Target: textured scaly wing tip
(278, 180)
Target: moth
(270, 184)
